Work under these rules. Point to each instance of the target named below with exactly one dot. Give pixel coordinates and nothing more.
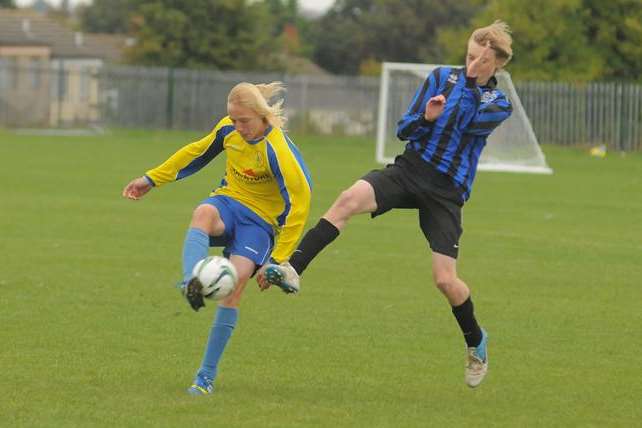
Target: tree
(290, 27)
(284, 12)
(354, 32)
(548, 38)
(225, 34)
(567, 40)
(339, 40)
(616, 33)
(9, 4)
(108, 16)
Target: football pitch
(93, 332)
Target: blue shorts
(246, 234)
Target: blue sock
(224, 323)
(195, 248)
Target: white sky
(320, 5)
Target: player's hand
(434, 108)
(483, 64)
(137, 188)
(261, 280)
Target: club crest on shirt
(453, 76)
(259, 161)
(489, 97)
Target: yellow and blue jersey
(266, 175)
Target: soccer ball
(217, 275)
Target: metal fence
(594, 113)
(192, 99)
(68, 96)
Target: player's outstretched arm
(137, 188)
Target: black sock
(468, 323)
(315, 240)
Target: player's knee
(444, 279)
(202, 214)
(348, 202)
(234, 299)
(206, 217)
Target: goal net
(512, 146)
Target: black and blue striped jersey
(453, 143)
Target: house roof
(24, 27)
(109, 47)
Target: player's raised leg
(458, 295)
(206, 222)
(358, 199)
(224, 323)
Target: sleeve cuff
(149, 180)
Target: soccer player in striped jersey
(446, 127)
(257, 213)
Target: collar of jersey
(491, 84)
(258, 140)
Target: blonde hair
(498, 34)
(257, 98)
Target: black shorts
(410, 182)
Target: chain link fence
(165, 98)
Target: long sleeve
(192, 157)
(295, 187)
(469, 103)
(414, 118)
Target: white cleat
(477, 362)
(283, 276)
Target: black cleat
(193, 294)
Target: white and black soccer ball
(217, 275)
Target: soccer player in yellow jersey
(257, 213)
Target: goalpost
(512, 147)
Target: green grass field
(92, 332)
